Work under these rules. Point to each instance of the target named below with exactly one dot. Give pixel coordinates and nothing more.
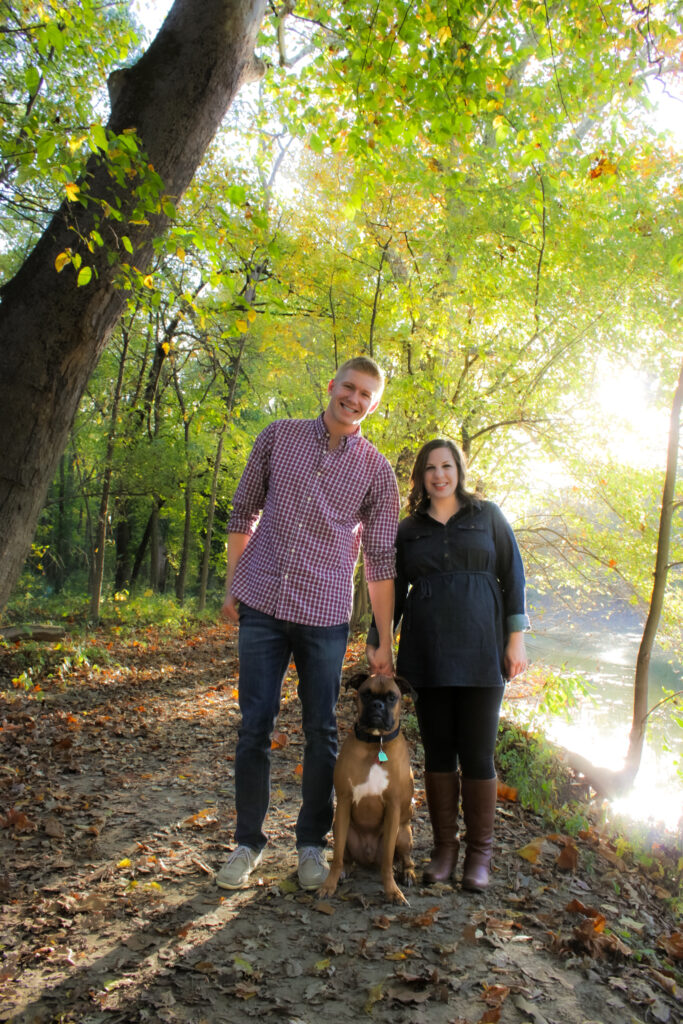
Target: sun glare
(637, 432)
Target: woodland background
(475, 194)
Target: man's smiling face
(352, 396)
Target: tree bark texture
(52, 332)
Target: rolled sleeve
(251, 491)
(380, 520)
(517, 623)
(510, 571)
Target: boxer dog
(373, 782)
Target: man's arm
(237, 542)
(381, 658)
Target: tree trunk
(640, 697)
(181, 578)
(206, 556)
(101, 535)
(142, 548)
(155, 550)
(53, 332)
(604, 781)
(122, 536)
(361, 613)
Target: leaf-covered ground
(116, 808)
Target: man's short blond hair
(363, 364)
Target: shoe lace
(312, 853)
(241, 853)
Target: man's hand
(515, 659)
(229, 610)
(380, 659)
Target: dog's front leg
(340, 831)
(392, 821)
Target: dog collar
(371, 737)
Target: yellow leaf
(374, 996)
(242, 326)
(166, 348)
(72, 191)
(532, 850)
(148, 281)
(125, 863)
(180, 253)
(443, 34)
(251, 316)
(62, 261)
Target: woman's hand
(515, 659)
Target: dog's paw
(395, 896)
(329, 886)
(409, 878)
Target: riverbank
(117, 808)
(600, 655)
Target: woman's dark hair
(417, 497)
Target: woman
(461, 638)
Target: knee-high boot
(479, 810)
(443, 797)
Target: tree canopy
(473, 193)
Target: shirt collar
(323, 434)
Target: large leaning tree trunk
(53, 332)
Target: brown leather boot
(443, 796)
(479, 811)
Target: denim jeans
(266, 646)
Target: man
(319, 487)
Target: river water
(599, 728)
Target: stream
(599, 728)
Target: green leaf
(32, 79)
(46, 147)
(99, 137)
(237, 194)
(126, 243)
(84, 276)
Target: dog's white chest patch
(375, 784)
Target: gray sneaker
(235, 872)
(313, 869)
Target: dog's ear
(405, 688)
(357, 680)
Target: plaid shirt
(316, 504)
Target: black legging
(459, 723)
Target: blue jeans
(266, 646)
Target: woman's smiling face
(441, 474)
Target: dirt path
(116, 807)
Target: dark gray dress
(459, 593)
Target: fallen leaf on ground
(673, 944)
(532, 850)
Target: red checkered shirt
(315, 506)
